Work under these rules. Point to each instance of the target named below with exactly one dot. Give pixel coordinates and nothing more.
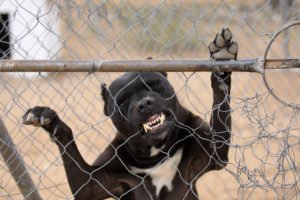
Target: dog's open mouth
(154, 123)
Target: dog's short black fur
(161, 148)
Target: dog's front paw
(39, 116)
(222, 47)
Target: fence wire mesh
(263, 157)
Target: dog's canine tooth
(146, 127)
(162, 118)
(158, 119)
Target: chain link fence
(263, 157)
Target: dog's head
(142, 106)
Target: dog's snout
(145, 105)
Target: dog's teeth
(156, 120)
(162, 118)
(146, 127)
(155, 123)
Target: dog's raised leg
(221, 48)
(77, 170)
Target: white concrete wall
(34, 28)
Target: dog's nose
(145, 105)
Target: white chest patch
(154, 151)
(164, 173)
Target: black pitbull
(161, 148)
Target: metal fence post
(16, 165)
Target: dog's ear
(105, 95)
(163, 73)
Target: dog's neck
(151, 155)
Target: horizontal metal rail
(250, 65)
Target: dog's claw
(30, 119)
(45, 121)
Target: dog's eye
(121, 102)
(153, 85)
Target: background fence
(264, 153)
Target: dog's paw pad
(222, 47)
(38, 116)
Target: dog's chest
(162, 174)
